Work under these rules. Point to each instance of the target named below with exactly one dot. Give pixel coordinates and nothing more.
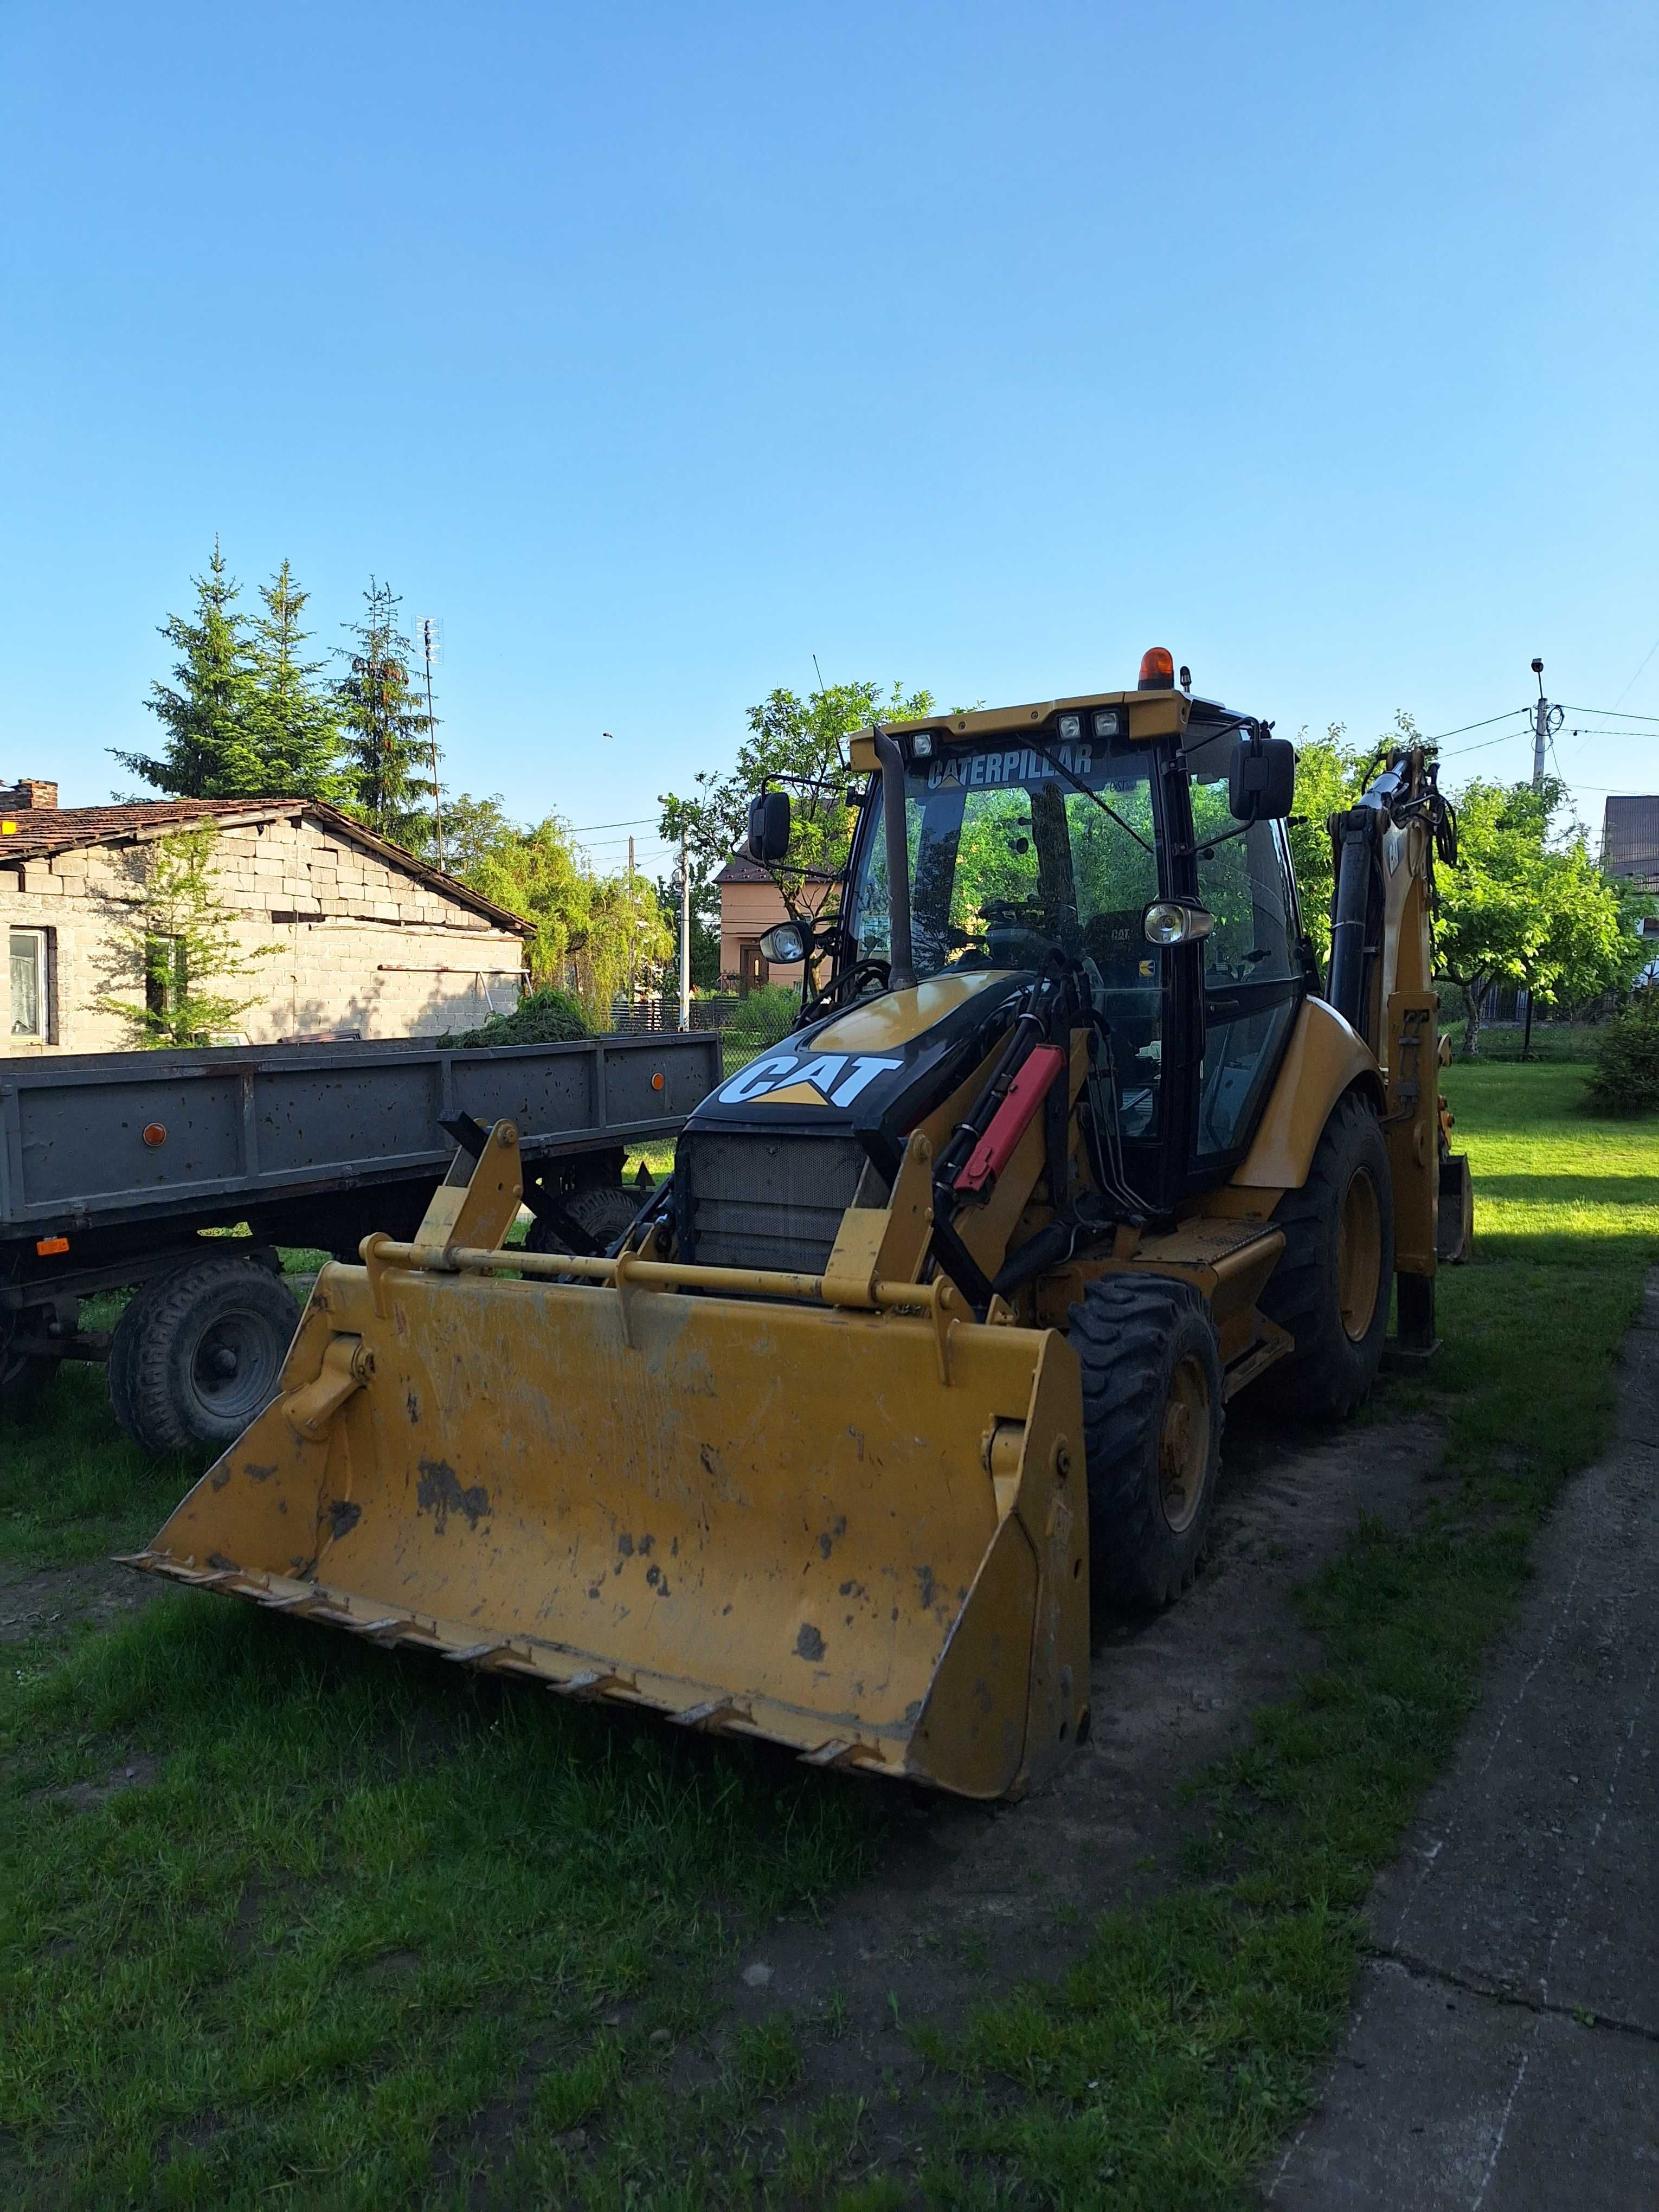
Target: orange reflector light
(656, 1082)
(47, 1246)
(155, 1133)
(1157, 670)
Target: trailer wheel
(197, 1353)
(1153, 1416)
(593, 1220)
(23, 1380)
(1331, 1286)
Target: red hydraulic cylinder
(1012, 1119)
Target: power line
(633, 823)
(1613, 714)
(1486, 724)
(1646, 657)
(1508, 737)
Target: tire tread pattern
(148, 1406)
(1122, 1330)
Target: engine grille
(752, 1201)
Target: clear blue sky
(658, 348)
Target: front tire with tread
(1153, 1416)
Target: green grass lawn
(376, 1931)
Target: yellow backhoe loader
(930, 1332)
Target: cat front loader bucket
(840, 1515)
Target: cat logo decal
(786, 1078)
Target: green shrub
(766, 1015)
(546, 1017)
(1626, 1077)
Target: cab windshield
(1009, 860)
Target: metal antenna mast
(432, 645)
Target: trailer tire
(23, 1380)
(119, 1366)
(198, 1353)
(1152, 1417)
(1331, 1286)
(600, 1213)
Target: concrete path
(1503, 2053)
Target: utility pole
(432, 643)
(685, 934)
(1545, 721)
(630, 924)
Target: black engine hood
(875, 1068)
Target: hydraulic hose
(901, 971)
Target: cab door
(1255, 968)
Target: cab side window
(1252, 967)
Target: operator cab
(1141, 834)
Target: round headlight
(1165, 923)
(784, 943)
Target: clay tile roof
(40, 831)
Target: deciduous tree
(798, 745)
(1330, 776)
(1526, 905)
(593, 931)
(180, 940)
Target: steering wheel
(1011, 945)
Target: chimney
(28, 791)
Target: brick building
(370, 942)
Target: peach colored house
(750, 903)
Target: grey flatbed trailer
(117, 1168)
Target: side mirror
(785, 943)
(1261, 781)
(768, 827)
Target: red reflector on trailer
(1012, 1118)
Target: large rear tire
(197, 1354)
(1331, 1286)
(1152, 1417)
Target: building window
(31, 984)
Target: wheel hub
(1183, 1444)
(1358, 1256)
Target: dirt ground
(51, 1600)
(967, 1900)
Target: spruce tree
(388, 732)
(296, 723)
(207, 712)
